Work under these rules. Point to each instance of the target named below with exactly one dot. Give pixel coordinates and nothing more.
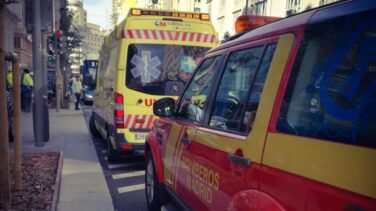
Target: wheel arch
(151, 145)
(254, 200)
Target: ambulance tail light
(119, 110)
(126, 146)
(249, 22)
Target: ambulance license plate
(140, 136)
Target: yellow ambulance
(148, 56)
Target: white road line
(114, 166)
(105, 158)
(131, 188)
(127, 175)
(104, 151)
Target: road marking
(114, 166)
(131, 188)
(127, 175)
(104, 151)
(105, 158)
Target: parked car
(282, 117)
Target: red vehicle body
(302, 147)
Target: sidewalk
(83, 186)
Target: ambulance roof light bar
(175, 14)
(249, 22)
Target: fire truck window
(194, 97)
(240, 89)
(331, 93)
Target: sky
(98, 12)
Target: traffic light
(61, 43)
(50, 51)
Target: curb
(55, 198)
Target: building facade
(79, 22)
(224, 12)
(16, 38)
(93, 41)
(120, 9)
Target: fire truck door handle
(185, 140)
(239, 160)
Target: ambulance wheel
(93, 129)
(112, 154)
(155, 196)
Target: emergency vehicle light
(249, 22)
(119, 110)
(139, 12)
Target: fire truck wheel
(93, 130)
(112, 154)
(155, 196)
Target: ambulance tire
(155, 194)
(93, 129)
(112, 154)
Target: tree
(74, 38)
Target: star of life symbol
(146, 67)
(188, 64)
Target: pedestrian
(9, 79)
(77, 88)
(27, 86)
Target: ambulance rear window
(159, 69)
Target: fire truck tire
(93, 129)
(155, 195)
(112, 154)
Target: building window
(17, 42)
(222, 7)
(221, 23)
(235, 16)
(260, 8)
(209, 3)
(239, 4)
(293, 6)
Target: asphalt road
(125, 179)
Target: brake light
(126, 146)
(119, 110)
